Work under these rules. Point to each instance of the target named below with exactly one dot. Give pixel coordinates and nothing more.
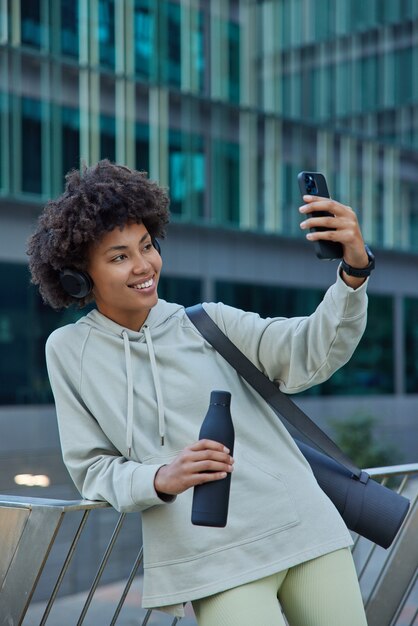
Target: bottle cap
(220, 397)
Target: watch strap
(360, 272)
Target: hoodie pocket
(260, 505)
(260, 497)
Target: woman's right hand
(201, 462)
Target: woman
(132, 380)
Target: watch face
(371, 265)
(369, 254)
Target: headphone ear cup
(156, 245)
(77, 284)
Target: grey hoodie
(128, 402)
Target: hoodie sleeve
(300, 352)
(97, 468)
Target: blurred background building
(224, 102)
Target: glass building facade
(224, 102)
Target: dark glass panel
(369, 93)
(268, 301)
(14, 333)
(4, 115)
(403, 77)
(177, 176)
(323, 17)
(185, 291)
(198, 42)
(106, 33)
(144, 32)
(142, 147)
(31, 146)
(31, 28)
(25, 324)
(70, 139)
(186, 173)
(173, 70)
(358, 15)
(69, 27)
(107, 137)
(234, 62)
(226, 179)
(411, 344)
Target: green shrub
(356, 436)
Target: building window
(225, 182)
(144, 29)
(25, 324)
(107, 137)
(106, 33)
(70, 139)
(411, 344)
(31, 28)
(198, 50)
(31, 147)
(268, 300)
(4, 126)
(173, 61)
(403, 88)
(69, 28)
(185, 291)
(142, 147)
(234, 62)
(369, 93)
(187, 174)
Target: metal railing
(29, 528)
(388, 578)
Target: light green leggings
(321, 592)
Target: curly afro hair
(96, 200)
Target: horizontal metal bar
(63, 505)
(393, 470)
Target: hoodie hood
(155, 321)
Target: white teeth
(148, 283)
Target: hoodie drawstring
(130, 408)
(157, 385)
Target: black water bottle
(210, 500)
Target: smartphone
(314, 184)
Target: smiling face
(125, 269)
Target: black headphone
(78, 284)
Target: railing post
(28, 530)
(397, 574)
(24, 558)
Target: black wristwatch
(362, 272)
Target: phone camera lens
(311, 187)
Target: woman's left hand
(346, 230)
